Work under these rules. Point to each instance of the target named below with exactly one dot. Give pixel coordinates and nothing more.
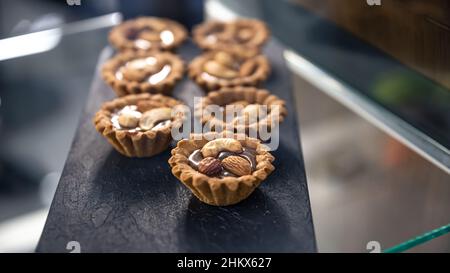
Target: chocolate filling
(247, 153)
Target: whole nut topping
(216, 69)
(129, 119)
(143, 67)
(247, 68)
(224, 58)
(133, 74)
(210, 166)
(214, 147)
(139, 64)
(245, 34)
(150, 118)
(237, 165)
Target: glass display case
(371, 87)
(373, 98)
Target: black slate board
(110, 203)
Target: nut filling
(227, 162)
(145, 69)
(221, 68)
(148, 33)
(131, 120)
(243, 33)
(152, 72)
(149, 37)
(227, 66)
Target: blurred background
(373, 107)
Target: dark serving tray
(109, 203)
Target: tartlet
(139, 125)
(221, 68)
(253, 108)
(237, 35)
(222, 171)
(148, 33)
(143, 72)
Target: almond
(224, 58)
(245, 34)
(131, 74)
(218, 70)
(237, 165)
(247, 68)
(210, 166)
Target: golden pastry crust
(214, 190)
(148, 33)
(246, 97)
(137, 143)
(237, 35)
(216, 69)
(143, 72)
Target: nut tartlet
(138, 125)
(216, 69)
(143, 72)
(253, 108)
(148, 33)
(237, 35)
(222, 171)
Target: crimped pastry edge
(252, 95)
(199, 33)
(219, 191)
(124, 87)
(195, 70)
(120, 42)
(136, 144)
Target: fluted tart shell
(137, 143)
(124, 86)
(243, 96)
(148, 34)
(210, 70)
(215, 190)
(238, 35)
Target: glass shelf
(390, 95)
